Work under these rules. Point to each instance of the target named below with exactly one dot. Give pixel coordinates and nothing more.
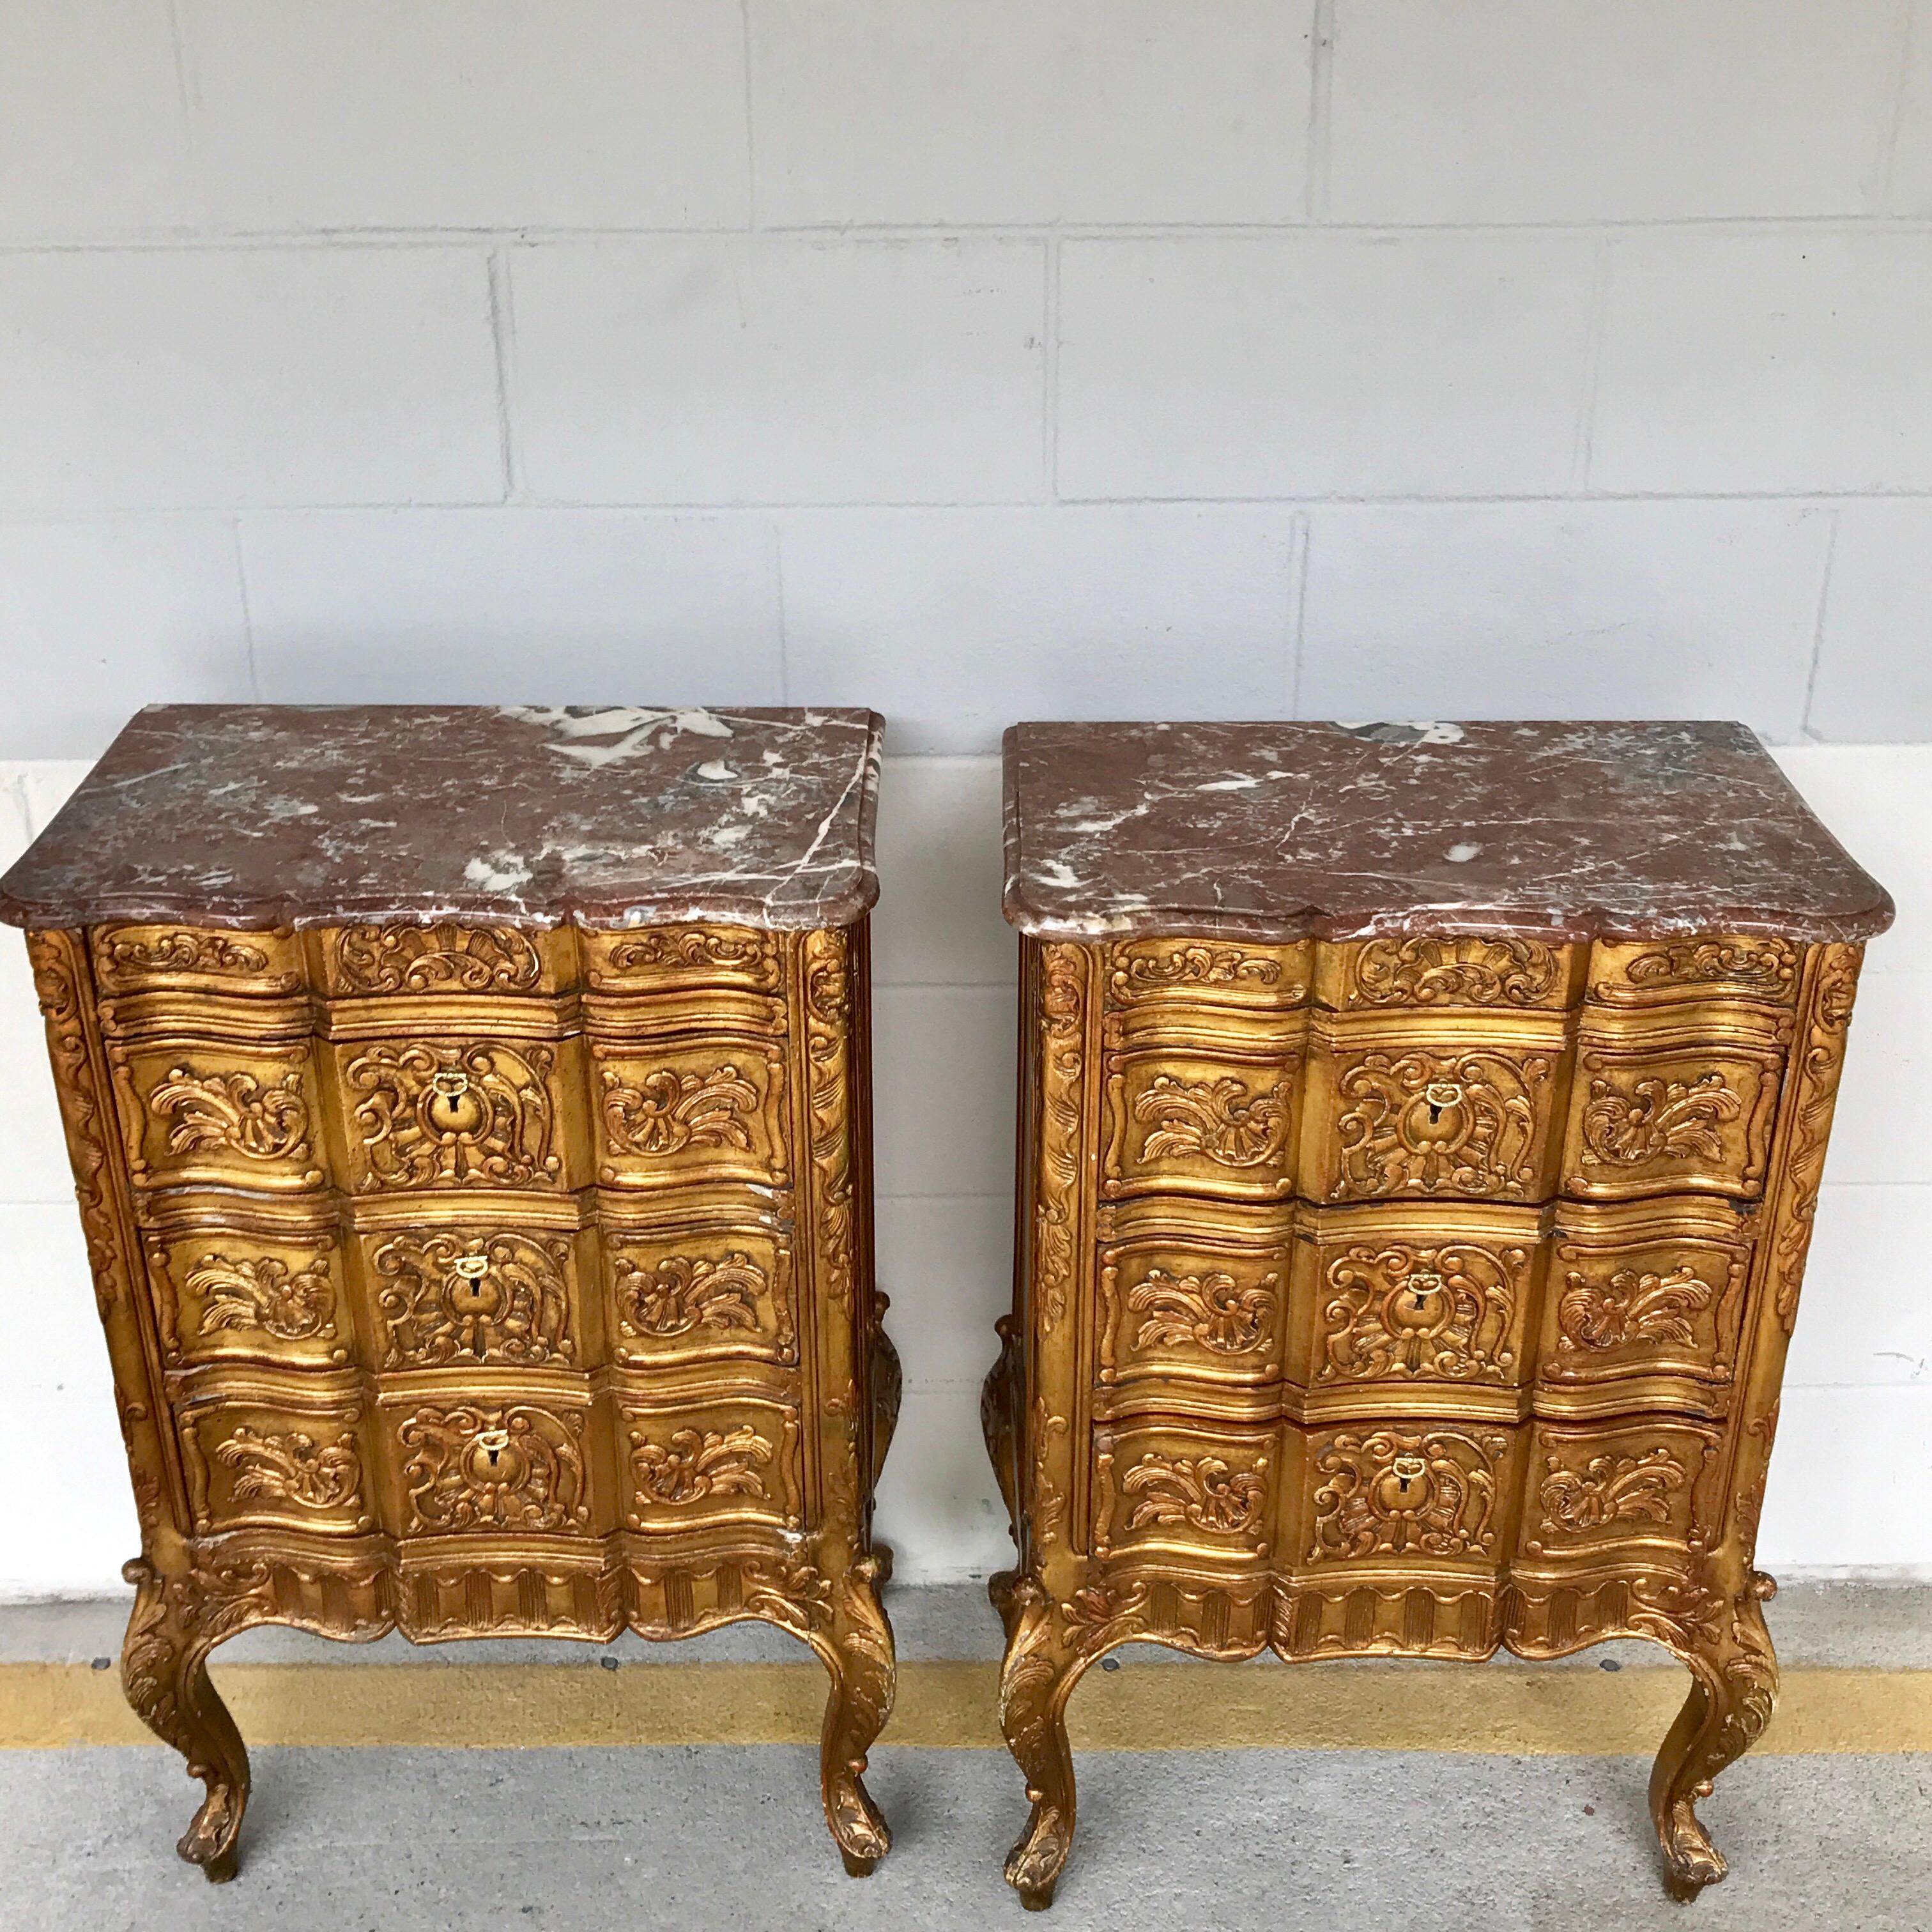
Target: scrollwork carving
(120, 953)
(1659, 1119)
(292, 1467)
(472, 1467)
(828, 1049)
(261, 1292)
(661, 949)
(1198, 964)
(1467, 1122)
(435, 1115)
(1634, 1305)
(1609, 1490)
(1460, 972)
(444, 957)
(1818, 1061)
(1769, 965)
(666, 1112)
(1401, 1310)
(1430, 1492)
(1063, 1025)
(493, 1297)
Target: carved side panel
(62, 982)
(444, 957)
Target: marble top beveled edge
(545, 832)
(1350, 902)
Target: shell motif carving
(667, 1112)
(1610, 1490)
(696, 1463)
(1659, 1119)
(444, 957)
(233, 1113)
(261, 1292)
(682, 1292)
(1403, 1311)
(1462, 972)
(1211, 1310)
(1204, 1492)
(1219, 1120)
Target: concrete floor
(693, 1838)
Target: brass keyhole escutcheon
(493, 1442)
(1438, 1116)
(454, 1109)
(472, 1268)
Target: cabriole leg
(164, 1671)
(1730, 1705)
(1036, 1680)
(857, 1649)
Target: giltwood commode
(1421, 1130)
(469, 1113)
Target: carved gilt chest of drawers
(469, 1110)
(1421, 1132)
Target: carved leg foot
(1037, 1678)
(1730, 1705)
(164, 1671)
(858, 1652)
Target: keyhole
(1434, 1112)
(1421, 1301)
(1402, 1482)
(493, 1454)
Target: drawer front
(1443, 1112)
(1469, 974)
(1194, 1296)
(444, 957)
(494, 1465)
(232, 1293)
(1419, 1493)
(1631, 1486)
(666, 958)
(1654, 973)
(262, 1460)
(704, 1109)
(687, 1295)
(1161, 975)
(476, 1293)
(693, 1463)
(1656, 1114)
(1201, 1123)
(147, 958)
(1393, 1296)
(459, 1113)
(1648, 1288)
(1197, 1492)
(202, 1113)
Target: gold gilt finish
(466, 1280)
(1412, 1297)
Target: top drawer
(670, 958)
(142, 959)
(405, 959)
(1156, 974)
(1675, 972)
(1468, 972)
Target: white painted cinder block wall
(979, 359)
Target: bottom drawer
(1636, 1484)
(275, 1460)
(696, 1461)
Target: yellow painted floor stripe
(1491, 1708)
